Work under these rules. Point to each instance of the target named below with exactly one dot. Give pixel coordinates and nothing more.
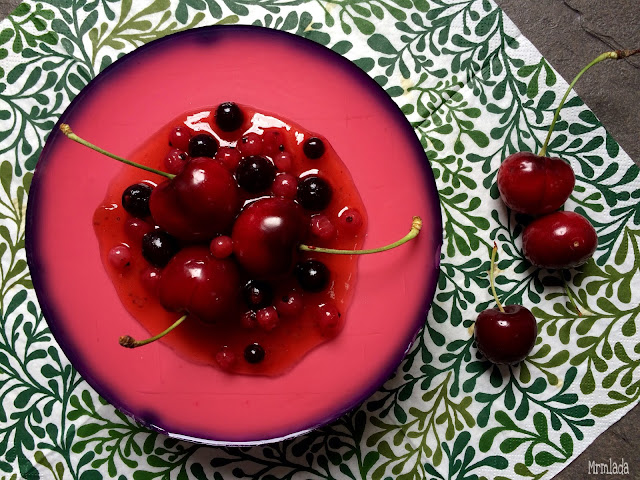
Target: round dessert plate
(274, 72)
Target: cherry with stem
(507, 334)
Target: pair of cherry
(537, 185)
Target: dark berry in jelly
(257, 294)
(312, 275)
(313, 148)
(254, 353)
(202, 145)
(135, 200)
(158, 247)
(314, 193)
(255, 173)
(229, 117)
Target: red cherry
(200, 202)
(196, 282)
(559, 240)
(506, 337)
(266, 234)
(533, 184)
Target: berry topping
(314, 193)
(290, 305)
(283, 161)
(266, 234)
(197, 283)
(229, 117)
(257, 294)
(313, 148)
(221, 247)
(248, 320)
(150, 277)
(229, 157)
(175, 161)
(285, 185)
(179, 138)
(328, 319)
(135, 199)
(267, 318)
(254, 353)
(255, 173)
(120, 256)
(350, 220)
(158, 247)
(250, 144)
(312, 275)
(202, 145)
(136, 228)
(322, 227)
(272, 143)
(225, 358)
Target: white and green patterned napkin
(475, 90)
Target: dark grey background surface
(569, 34)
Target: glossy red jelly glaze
(200, 341)
(535, 185)
(559, 240)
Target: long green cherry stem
(416, 226)
(570, 295)
(66, 129)
(492, 276)
(130, 342)
(618, 54)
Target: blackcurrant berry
(158, 247)
(257, 294)
(255, 173)
(135, 200)
(314, 193)
(313, 148)
(312, 275)
(254, 353)
(229, 117)
(202, 145)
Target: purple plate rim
(209, 33)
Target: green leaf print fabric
(475, 91)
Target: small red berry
(175, 161)
(267, 318)
(248, 320)
(137, 228)
(179, 138)
(250, 145)
(225, 358)
(120, 256)
(221, 246)
(283, 161)
(285, 185)
(229, 157)
(290, 304)
(350, 220)
(322, 227)
(328, 319)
